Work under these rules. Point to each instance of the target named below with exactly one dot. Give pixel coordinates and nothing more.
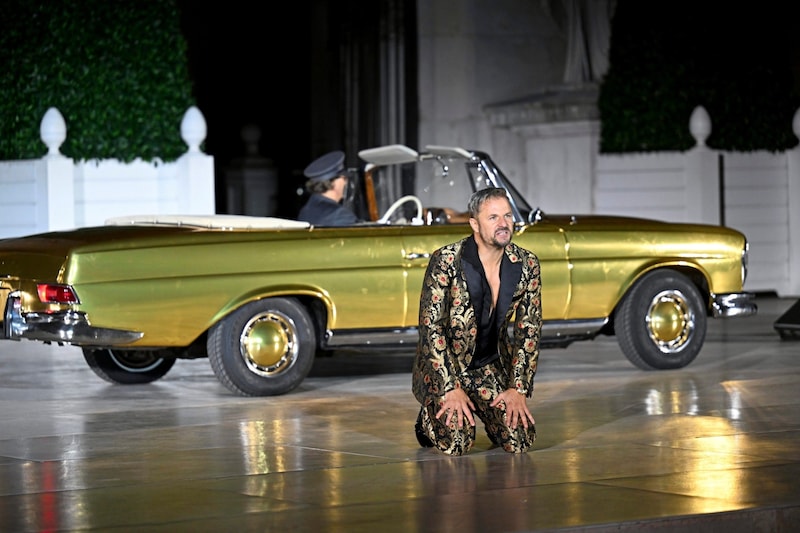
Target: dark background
(307, 74)
(249, 65)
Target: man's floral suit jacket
(448, 325)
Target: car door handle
(416, 255)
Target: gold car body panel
(198, 280)
(608, 254)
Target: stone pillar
(703, 195)
(55, 196)
(55, 181)
(559, 129)
(195, 175)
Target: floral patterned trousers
(482, 385)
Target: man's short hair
(478, 198)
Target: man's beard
(494, 241)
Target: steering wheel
(396, 205)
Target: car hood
(613, 222)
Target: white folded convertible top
(208, 221)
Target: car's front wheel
(127, 367)
(264, 348)
(661, 323)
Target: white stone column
(55, 194)
(703, 202)
(196, 189)
(54, 176)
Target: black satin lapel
(509, 278)
(473, 271)
(474, 280)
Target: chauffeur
(327, 180)
(468, 365)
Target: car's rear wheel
(265, 348)
(661, 323)
(127, 367)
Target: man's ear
(473, 224)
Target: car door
(360, 271)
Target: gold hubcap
(269, 343)
(670, 321)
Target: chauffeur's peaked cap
(326, 167)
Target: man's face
(494, 224)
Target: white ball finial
(796, 124)
(193, 128)
(700, 125)
(53, 131)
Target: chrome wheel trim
(269, 344)
(670, 321)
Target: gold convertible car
(261, 297)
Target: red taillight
(56, 294)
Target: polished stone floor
(712, 447)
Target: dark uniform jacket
(448, 325)
(322, 211)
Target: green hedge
(667, 58)
(116, 70)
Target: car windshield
(443, 178)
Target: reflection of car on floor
(261, 296)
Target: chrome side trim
(381, 337)
(552, 330)
(65, 327)
(733, 304)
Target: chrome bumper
(65, 327)
(733, 304)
